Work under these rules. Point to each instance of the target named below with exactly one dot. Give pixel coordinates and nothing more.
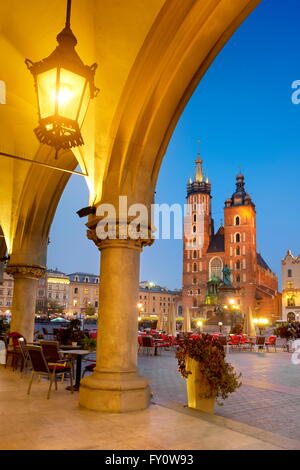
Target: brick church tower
(205, 253)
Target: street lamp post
(199, 324)
(220, 326)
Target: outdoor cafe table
(78, 353)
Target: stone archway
(151, 60)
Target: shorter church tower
(240, 242)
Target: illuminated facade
(84, 293)
(290, 271)
(155, 301)
(6, 293)
(233, 246)
(52, 292)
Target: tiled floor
(33, 422)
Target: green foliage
(237, 329)
(71, 334)
(287, 331)
(210, 354)
(89, 343)
(89, 311)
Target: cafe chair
(52, 355)
(40, 367)
(148, 344)
(89, 367)
(25, 360)
(13, 349)
(271, 341)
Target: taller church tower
(198, 232)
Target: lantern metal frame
(57, 130)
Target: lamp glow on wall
(64, 87)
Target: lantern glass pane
(69, 94)
(85, 103)
(46, 83)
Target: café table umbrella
(186, 321)
(160, 323)
(59, 319)
(249, 327)
(171, 322)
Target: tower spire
(199, 170)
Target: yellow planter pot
(197, 386)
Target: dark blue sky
(243, 114)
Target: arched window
(195, 267)
(195, 218)
(194, 228)
(195, 280)
(237, 220)
(237, 238)
(238, 251)
(215, 268)
(194, 254)
(238, 265)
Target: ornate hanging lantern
(64, 87)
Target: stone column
(115, 384)
(24, 297)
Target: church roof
(217, 244)
(262, 262)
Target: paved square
(268, 399)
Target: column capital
(29, 271)
(120, 240)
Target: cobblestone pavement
(269, 397)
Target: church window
(237, 220)
(290, 273)
(215, 268)
(238, 251)
(195, 280)
(191, 292)
(195, 254)
(238, 265)
(198, 292)
(195, 267)
(194, 228)
(237, 238)
(195, 218)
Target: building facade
(52, 292)
(290, 271)
(83, 293)
(155, 301)
(6, 293)
(207, 255)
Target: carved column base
(115, 392)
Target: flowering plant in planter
(220, 377)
